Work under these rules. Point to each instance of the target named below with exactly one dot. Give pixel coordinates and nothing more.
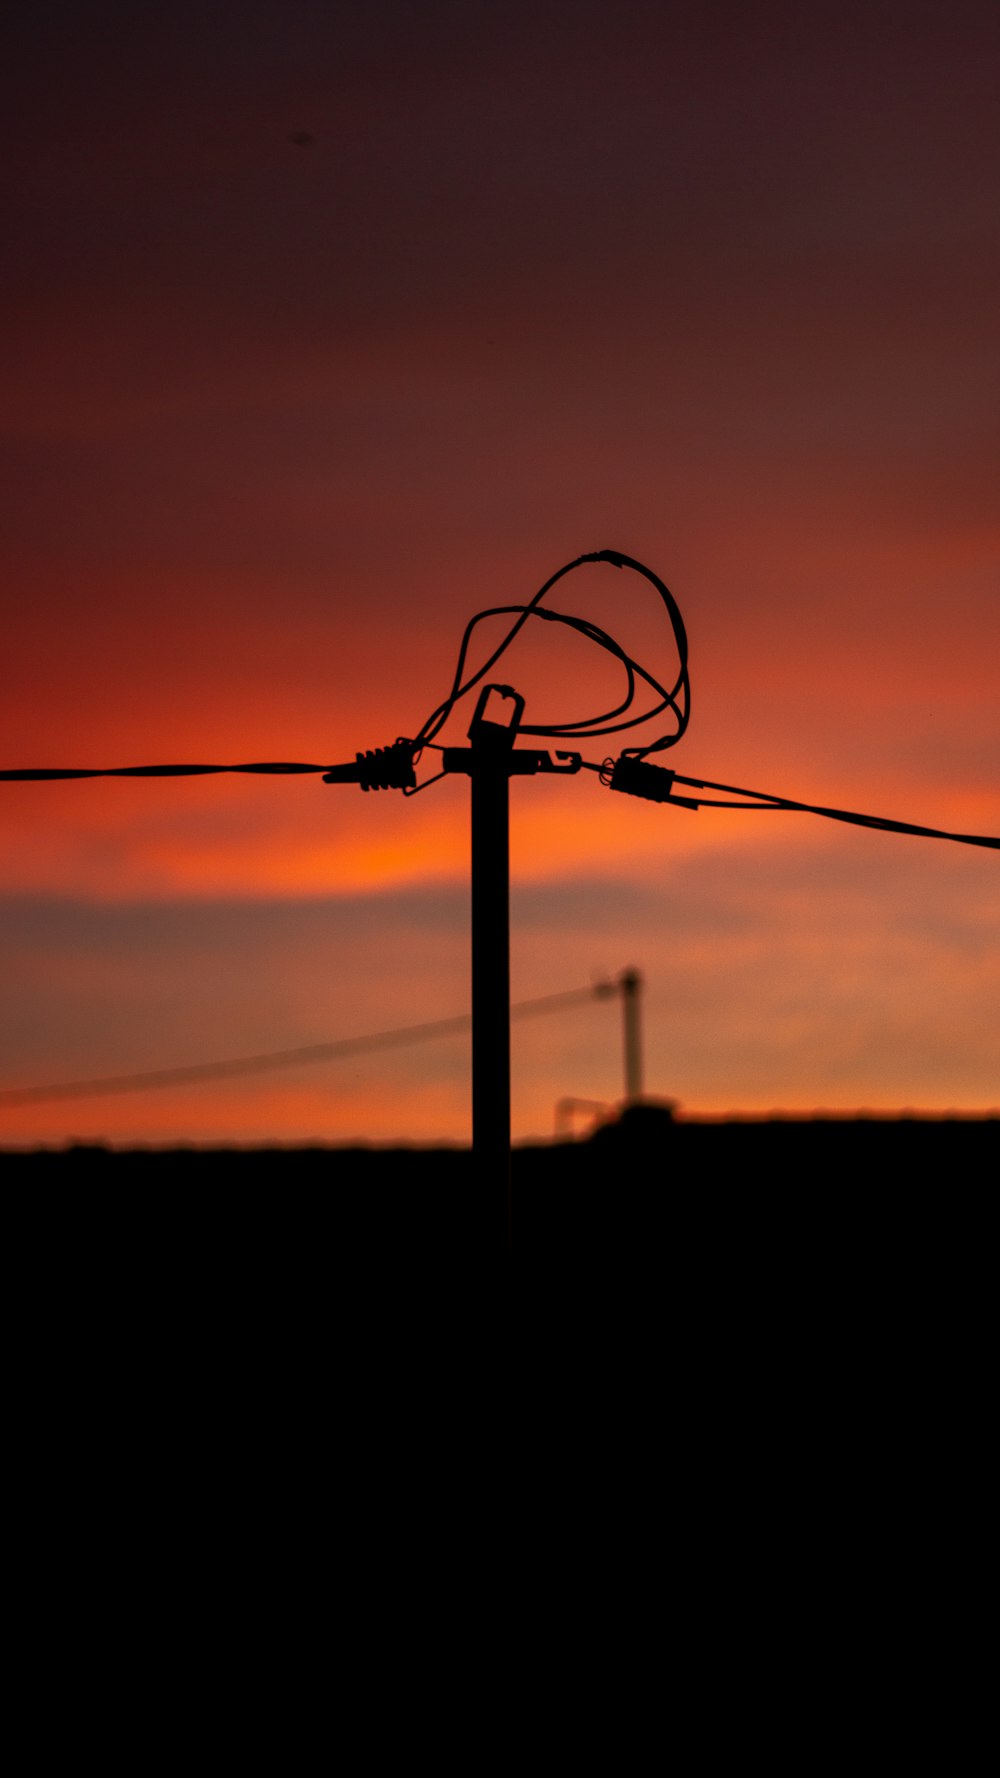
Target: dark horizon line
(662, 1111)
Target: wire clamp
(635, 777)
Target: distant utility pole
(630, 985)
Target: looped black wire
(676, 699)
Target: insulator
(636, 778)
(387, 768)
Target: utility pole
(491, 761)
(492, 753)
(630, 984)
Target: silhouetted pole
(630, 983)
(492, 746)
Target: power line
(271, 1060)
(655, 784)
(629, 774)
(490, 761)
(392, 767)
(270, 768)
(676, 699)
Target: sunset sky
(325, 325)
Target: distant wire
(234, 1069)
(676, 699)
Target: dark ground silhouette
(642, 1189)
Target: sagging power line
(238, 1067)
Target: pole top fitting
(483, 731)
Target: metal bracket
(496, 734)
(493, 743)
(520, 764)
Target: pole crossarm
(522, 763)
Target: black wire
(763, 800)
(677, 699)
(271, 768)
(275, 1059)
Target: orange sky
(716, 289)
